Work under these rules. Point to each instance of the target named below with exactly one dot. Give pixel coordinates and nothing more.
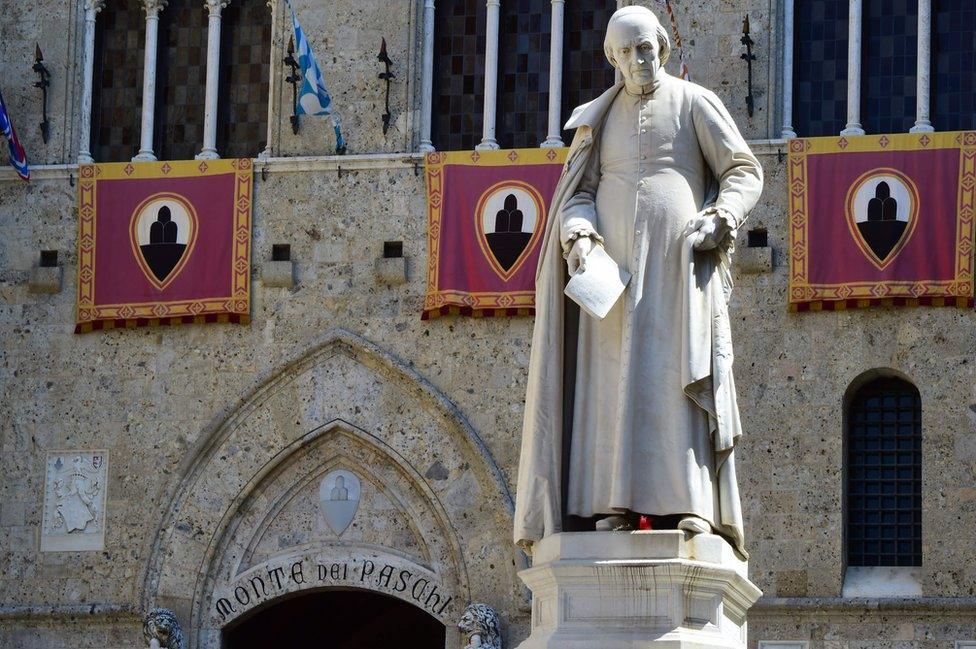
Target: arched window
(884, 474)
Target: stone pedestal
(617, 590)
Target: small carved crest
(339, 494)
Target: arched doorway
(338, 619)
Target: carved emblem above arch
(420, 500)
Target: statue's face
(633, 41)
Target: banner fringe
(843, 305)
(466, 311)
(134, 323)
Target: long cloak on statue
(691, 158)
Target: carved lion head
(480, 620)
(163, 627)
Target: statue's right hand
(576, 260)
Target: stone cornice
(357, 162)
(41, 611)
(793, 606)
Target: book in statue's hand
(597, 288)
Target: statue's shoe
(614, 524)
(695, 525)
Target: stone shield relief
(339, 494)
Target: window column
(488, 140)
(788, 131)
(924, 82)
(271, 142)
(92, 7)
(427, 79)
(209, 151)
(854, 70)
(153, 7)
(553, 137)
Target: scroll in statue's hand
(576, 260)
(709, 229)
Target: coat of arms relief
(74, 501)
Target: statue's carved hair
(663, 41)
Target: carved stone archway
(243, 524)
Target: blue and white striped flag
(313, 97)
(18, 157)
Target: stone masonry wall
(147, 395)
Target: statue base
(617, 590)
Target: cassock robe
(655, 420)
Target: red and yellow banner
(164, 243)
(882, 220)
(487, 214)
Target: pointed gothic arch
(344, 394)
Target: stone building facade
(207, 449)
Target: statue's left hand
(709, 229)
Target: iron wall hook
(748, 57)
(294, 79)
(43, 82)
(387, 76)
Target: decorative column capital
(153, 7)
(94, 6)
(215, 6)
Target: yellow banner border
(959, 290)
(434, 164)
(237, 304)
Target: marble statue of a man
(658, 175)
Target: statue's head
(636, 44)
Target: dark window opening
(245, 52)
(889, 65)
(181, 79)
(884, 475)
(281, 252)
(820, 67)
(953, 65)
(758, 238)
(49, 258)
(523, 73)
(586, 70)
(338, 619)
(459, 74)
(116, 117)
(392, 249)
